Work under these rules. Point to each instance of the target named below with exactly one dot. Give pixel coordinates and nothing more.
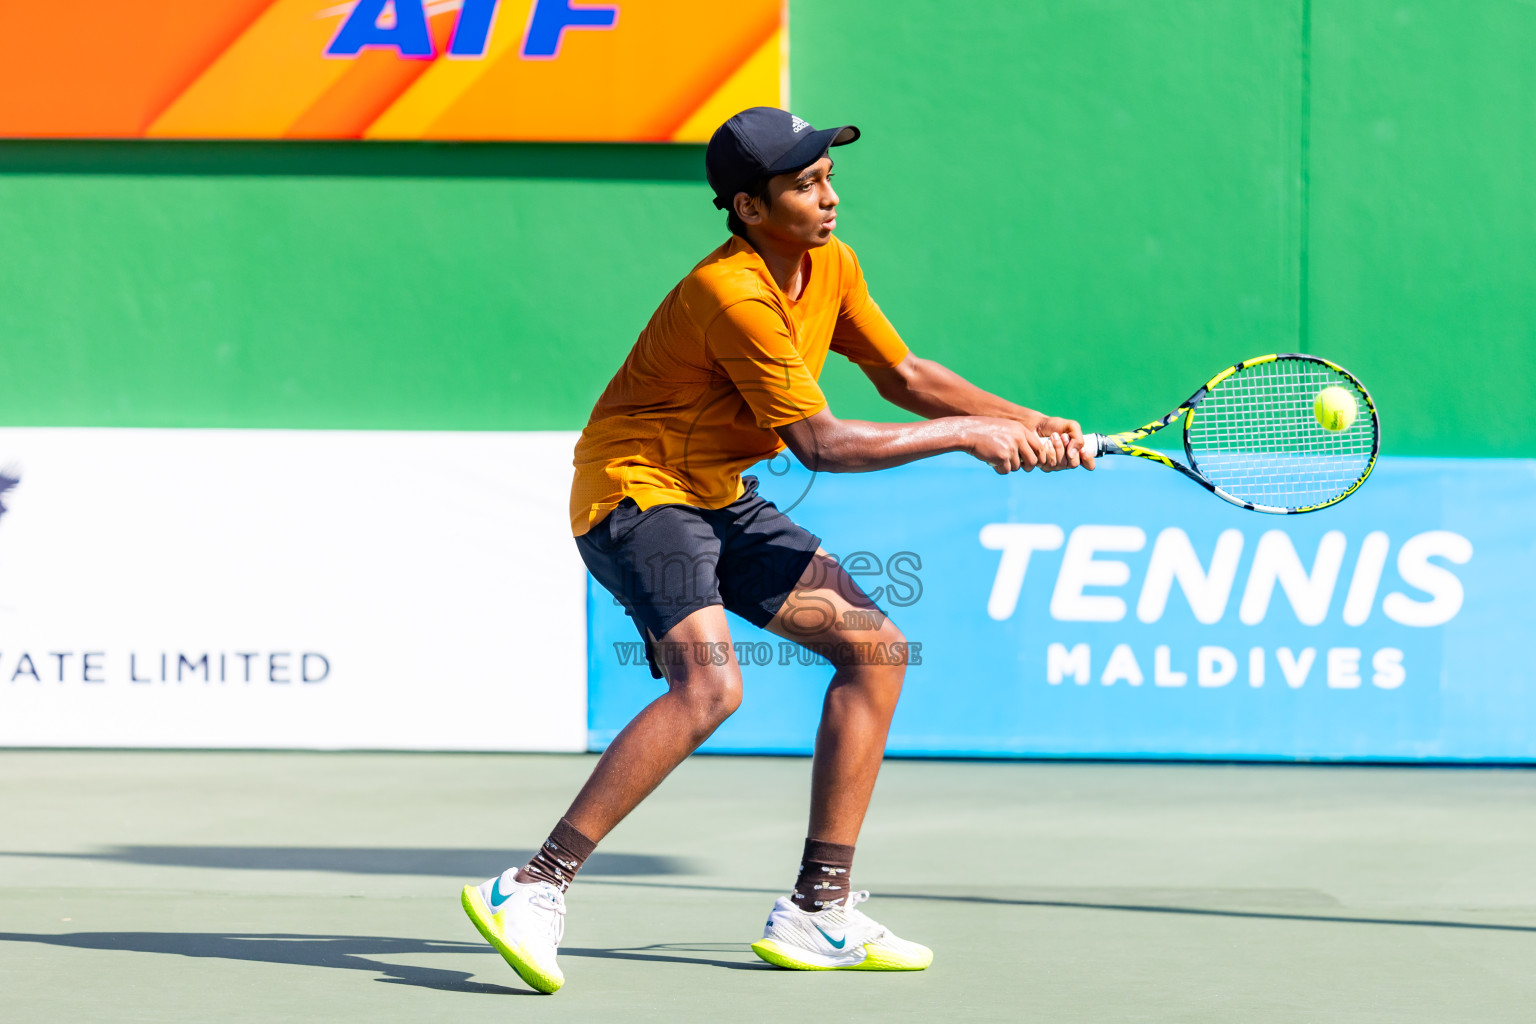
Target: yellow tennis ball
(1334, 408)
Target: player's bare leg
(698, 698)
(521, 912)
(856, 714)
(819, 927)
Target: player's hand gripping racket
(1285, 433)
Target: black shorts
(668, 561)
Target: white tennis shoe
(841, 938)
(525, 921)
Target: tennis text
(1208, 583)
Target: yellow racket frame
(1124, 443)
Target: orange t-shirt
(725, 359)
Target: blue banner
(1128, 613)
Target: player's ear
(746, 207)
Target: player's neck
(785, 262)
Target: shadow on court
(366, 860)
(343, 952)
(622, 869)
(354, 953)
(667, 953)
(1149, 907)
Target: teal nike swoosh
(497, 899)
(836, 943)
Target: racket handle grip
(1093, 445)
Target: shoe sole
(480, 916)
(875, 959)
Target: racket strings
(1256, 436)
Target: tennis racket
(1254, 435)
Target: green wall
(1044, 193)
(1423, 214)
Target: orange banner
(537, 70)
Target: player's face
(804, 206)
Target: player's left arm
(932, 389)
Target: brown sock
(823, 877)
(559, 858)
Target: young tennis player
(724, 376)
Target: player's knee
(878, 655)
(898, 652)
(712, 696)
(717, 702)
(893, 655)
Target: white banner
(315, 589)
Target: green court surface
(260, 887)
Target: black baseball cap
(763, 141)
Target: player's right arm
(823, 443)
